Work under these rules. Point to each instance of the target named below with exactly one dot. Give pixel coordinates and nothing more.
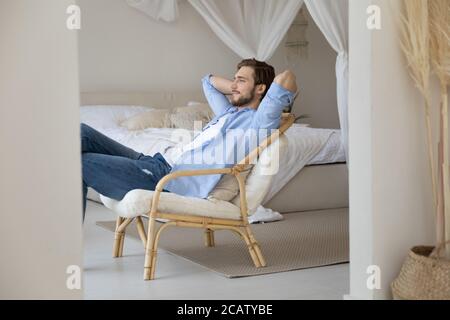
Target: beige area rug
(302, 240)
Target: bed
(320, 182)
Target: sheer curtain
(166, 10)
(251, 28)
(331, 16)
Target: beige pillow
(228, 187)
(185, 117)
(156, 118)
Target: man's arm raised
(287, 80)
(212, 88)
(221, 84)
(281, 94)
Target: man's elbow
(287, 80)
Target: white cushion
(228, 187)
(138, 202)
(260, 179)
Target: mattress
(315, 187)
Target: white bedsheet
(325, 142)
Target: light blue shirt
(267, 116)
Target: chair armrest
(185, 173)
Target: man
(257, 100)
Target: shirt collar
(242, 109)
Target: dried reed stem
(440, 56)
(415, 45)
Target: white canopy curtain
(331, 16)
(166, 10)
(251, 28)
(255, 28)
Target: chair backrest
(267, 164)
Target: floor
(179, 279)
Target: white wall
(40, 184)
(121, 49)
(360, 149)
(397, 189)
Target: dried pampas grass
(426, 44)
(440, 57)
(415, 45)
(440, 39)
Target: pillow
(185, 117)
(195, 103)
(156, 118)
(261, 177)
(109, 116)
(228, 187)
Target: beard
(243, 100)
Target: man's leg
(93, 141)
(114, 176)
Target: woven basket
(424, 276)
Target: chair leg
(244, 234)
(141, 230)
(150, 251)
(209, 238)
(118, 239)
(256, 247)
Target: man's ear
(260, 88)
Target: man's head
(251, 82)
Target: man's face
(243, 87)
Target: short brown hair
(263, 72)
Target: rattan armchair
(237, 223)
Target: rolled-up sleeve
(268, 114)
(216, 99)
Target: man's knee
(91, 165)
(91, 170)
(87, 135)
(89, 158)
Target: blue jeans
(113, 169)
